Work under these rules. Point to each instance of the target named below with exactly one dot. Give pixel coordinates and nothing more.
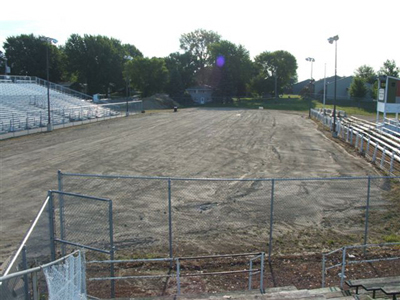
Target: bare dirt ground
(206, 143)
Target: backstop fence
(131, 217)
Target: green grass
(297, 103)
(351, 110)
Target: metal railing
(164, 216)
(350, 260)
(381, 153)
(178, 272)
(26, 122)
(30, 287)
(43, 82)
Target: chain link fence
(146, 217)
(181, 216)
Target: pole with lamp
(49, 41)
(311, 89)
(6, 68)
(311, 60)
(331, 40)
(275, 73)
(127, 57)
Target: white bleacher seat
(23, 105)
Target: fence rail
(192, 217)
(178, 272)
(347, 261)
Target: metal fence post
(61, 208)
(111, 227)
(25, 266)
(342, 274)
(170, 220)
(367, 213)
(383, 156)
(51, 226)
(391, 164)
(250, 273)
(178, 278)
(262, 273)
(323, 270)
(35, 286)
(271, 221)
(375, 151)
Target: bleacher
(23, 105)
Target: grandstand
(23, 104)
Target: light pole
(127, 57)
(331, 40)
(275, 73)
(6, 69)
(311, 60)
(49, 41)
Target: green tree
(267, 64)
(26, 55)
(148, 75)
(131, 50)
(232, 69)
(97, 61)
(197, 43)
(358, 89)
(367, 73)
(389, 68)
(181, 70)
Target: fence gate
(81, 221)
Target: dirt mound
(158, 101)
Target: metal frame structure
(345, 261)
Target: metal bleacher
(23, 104)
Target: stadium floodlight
(127, 57)
(331, 40)
(311, 60)
(48, 41)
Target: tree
(367, 73)
(197, 43)
(358, 90)
(232, 69)
(97, 61)
(181, 69)
(131, 50)
(26, 55)
(389, 68)
(148, 75)
(267, 64)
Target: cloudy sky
(368, 30)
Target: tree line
(100, 64)
(364, 82)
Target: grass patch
(297, 103)
(392, 238)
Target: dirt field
(191, 143)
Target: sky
(368, 30)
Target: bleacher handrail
(43, 82)
(27, 235)
(344, 262)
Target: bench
(388, 285)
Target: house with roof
(201, 94)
